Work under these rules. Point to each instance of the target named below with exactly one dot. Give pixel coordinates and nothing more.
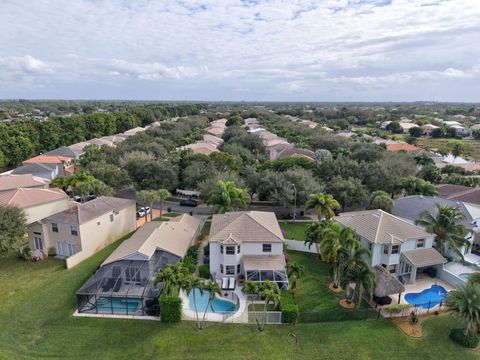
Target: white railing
(268, 317)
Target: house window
(238, 269)
(395, 249)
(54, 227)
(420, 243)
(60, 248)
(385, 249)
(111, 217)
(74, 230)
(370, 246)
(238, 249)
(132, 274)
(230, 250)
(71, 249)
(230, 269)
(221, 249)
(267, 248)
(392, 269)
(221, 268)
(38, 243)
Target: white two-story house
(247, 244)
(398, 246)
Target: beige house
(200, 147)
(11, 181)
(83, 229)
(36, 203)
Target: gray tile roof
(65, 151)
(34, 168)
(424, 257)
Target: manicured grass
(171, 214)
(37, 301)
(294, 231)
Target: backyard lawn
(294, 231)
(37, 301)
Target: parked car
(85, 198)
(189, 202)
(143, 211)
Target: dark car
(189, 202)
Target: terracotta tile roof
(48, 159)
(246, 226)
(11, 181)
(27, 197)
(380, 227)
(201, 147)
(403, 147)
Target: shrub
(396, 308)
(52, 251)
(470, 340)
(25, 252)
(190, 264)
(204, 271)
(192, 252)
(289, 307)
(170, 308)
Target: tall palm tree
(213, 289)
(324, 205)
(449, 233)
(226, 197)
(351, 256)
(162, 195)
(364, 279)
(464, 302)
(313, 234)
(191, 283)
(334, 239)
(166, 277)
(270, 292)
(294, 272)
(250, 288)
(381, 200)
(147, 197)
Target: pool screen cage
(276, 276)
(122, 287)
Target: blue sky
(264, 50)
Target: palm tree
(464, 302)
(324, 205)
(250, 288)
(226, 197)
(313, 234)
(474, 278)
(162, 195)
(191, 283)
(449, 233)
(381, 200)
(147, 197)
(171, 277)
(457, 149)
(351, 256)
(294, 272)
(270, 292)
(334, 239)
(213, 289)
(364, 279)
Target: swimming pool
(216, 306)
(118, 305)
(428, 298)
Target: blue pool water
(428, 298)
(120, 305)
(217, 305)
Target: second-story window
(54, 227)
(74, 230)
(230, 250)
(385, 249)
(238, 249)
(267, 247)
(395, 249)
(420, 243)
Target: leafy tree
(416, 132)
(110, 174)
(147, 197)
(93, 187)
(437, 133)
(447, 227)
(13, 228)
(457, 148)
(224, 161)
(171, 277)
(464, 302)
(430, 173)
(234, 120)
(349, 192)
(226, 197)
(394, 127)
(416, 186)
(208, 185)
(423, 159)
(381, 200)
(323, 154)
(324, 205)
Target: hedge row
(289, 307)
(470, 340)
(170, 308)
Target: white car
(143, 211)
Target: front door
(60, 248)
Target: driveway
(141, 221)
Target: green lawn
(473, 146)
(294, 231)
(37, 301)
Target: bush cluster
(289, 307)
(170, 308)
(204, 271)
(469, 341)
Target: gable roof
(212, 139)
(200, 147)
(245, 226)
(403, 147)
(13, 181)
(380, 227)
(81, 213)
(65, 151)
(424, 257)
(34, 169)
(410, 207)
(174, 236)
(460, 193)
(27, 197)
(48, 159)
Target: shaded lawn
(294, 231)
(38, 299)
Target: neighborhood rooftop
(25, 197)
(11, 181)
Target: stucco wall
(39, 212)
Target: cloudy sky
(292, 50)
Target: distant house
(398, 246)
(45, 171)
(219, 123)
(384, 125)
(404, 147)
(215, 130)
(123, 283)
(11, 181)
(200, 147)
(250, 121)
(406, 126)
(133, 131)
(428, 128)
(64, 164)
(275, 146)
(81, 230)
(248, 244)
(296, 152)
(101, 142)
(37, 203)
(460, 130)
(65, 151)
(214, 140)
(459, 193)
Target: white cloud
(23, 66)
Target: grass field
(37, 301)
(294, 231)
(473, 146)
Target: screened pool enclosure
(121, 288)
